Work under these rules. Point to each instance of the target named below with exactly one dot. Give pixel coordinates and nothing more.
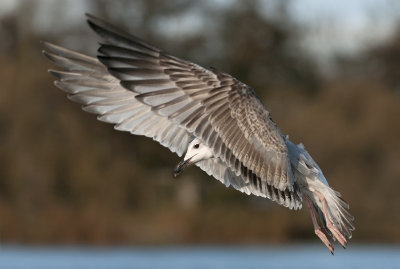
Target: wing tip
(102, 27)
(55, 73)
(92, 19)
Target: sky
(348, 27)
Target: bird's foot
(317, 229)
(337, 234)
(324, 240)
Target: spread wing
(87, 82)
(148, 92)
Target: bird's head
(196, 152)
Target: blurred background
(328, 72)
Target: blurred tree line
(67, 178)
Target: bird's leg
(335, 232)
(317, 229)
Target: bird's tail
(337, 211)
(328, 203)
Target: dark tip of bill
(175, 173)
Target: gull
(214, 120)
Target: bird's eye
(196, 146)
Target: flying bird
(215, 121)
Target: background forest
(67, 178)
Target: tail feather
(338, 213)
(328, 203)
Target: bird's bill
(182, 165)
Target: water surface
(293, 256)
